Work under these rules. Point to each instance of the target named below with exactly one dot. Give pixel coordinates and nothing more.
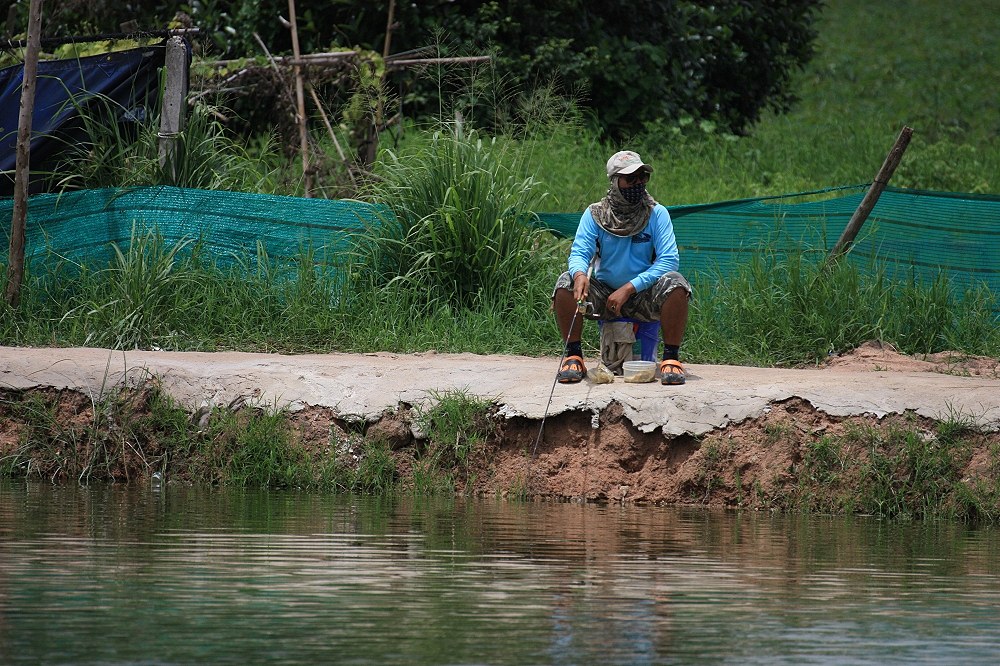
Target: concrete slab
(364, 386)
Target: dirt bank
(789, 454)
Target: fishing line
(580, 307)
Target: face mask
(634, 194)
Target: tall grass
(462, 225)
(153, 294)
(119, 153)
(133, 295)
(785, 308)
(457, 267)
(778, 309)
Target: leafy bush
(206, 155)
(636, 60)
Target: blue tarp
(130, 79)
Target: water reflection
(180, 575)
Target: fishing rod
(581, 308)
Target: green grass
(900, 470)
(462, 222)
(779, 309)
(80, 441)
(900, 467)
(457, 426)
(789, 308)
(932, 65)
(128, 435)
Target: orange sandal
(672, 372)
(572, 371)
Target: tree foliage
(631, 61)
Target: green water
(184, 576)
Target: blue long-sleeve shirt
(628, 259)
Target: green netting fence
(912, 233)
(82, 225)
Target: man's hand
(617, 300)
(581, 286)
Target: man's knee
(565, 282)
(669, 283)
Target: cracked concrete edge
(354, 386)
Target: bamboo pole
(871, 196)
(333, 136)
(300, 102)
(277, 70)
(307, 59)
(15, 268)
(417, 62)
(388, 29)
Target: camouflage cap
(626, 162)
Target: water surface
(113, 575)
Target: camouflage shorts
(643, 306)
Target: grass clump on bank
(457, 427)
(901, 471)
(898, 467)
(463, 222)
(134, 434)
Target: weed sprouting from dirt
(372, 470)
(67, 436)
(457, 425)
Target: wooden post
(172, 115)
(11, 19)
(871, 197)
(333, 136)
(388, 29)
(300, 102)
(15, 269)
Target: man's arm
(584, 245)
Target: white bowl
(639, 372)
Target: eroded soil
(793, 456)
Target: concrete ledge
(365, 386)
